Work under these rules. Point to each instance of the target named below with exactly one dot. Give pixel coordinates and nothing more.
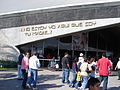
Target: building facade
(91, 29)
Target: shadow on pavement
(46, 86)
(114, 88)
(43, 78)
(7, 75)
(10, 84)
(8, 81)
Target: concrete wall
(7, 6)
(71, 13)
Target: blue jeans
(33, 77)
(65, 75)
(118, 73)
(19, 72)
(84, 82)
(92, 74)
(73, 81)
(105, 81)
(77, 84)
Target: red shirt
(103, 65)
(48, 57)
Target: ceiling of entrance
(111, 36)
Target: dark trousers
(25, 77)
(105, 81)
(118, 73)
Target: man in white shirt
(80, 60)
(34, 64)
(118, 68)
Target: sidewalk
(47, 80)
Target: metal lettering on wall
(48, 29)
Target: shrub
(8, 64)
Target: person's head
(27, 54)
(85, 60)
(92, 60)
(75, 59)
(93, 84)
(66, 54)
(53, 57)
(81, 54)
(104, 55)
(119, 58)
(35, 53)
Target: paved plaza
(48, 80)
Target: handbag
(79, 77)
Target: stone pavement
(48, 80)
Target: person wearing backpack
(74, 72)
(85, 68)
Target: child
(93, 84)
(78, 83)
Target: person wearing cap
(80, 60)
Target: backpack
(78, 65)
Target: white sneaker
(81, 88)
(34, 88)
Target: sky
(7, 6)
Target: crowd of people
(84, 71)
(28, 64)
